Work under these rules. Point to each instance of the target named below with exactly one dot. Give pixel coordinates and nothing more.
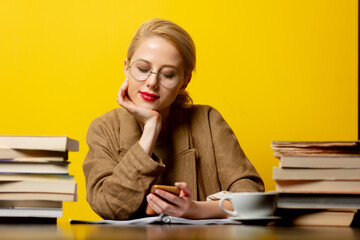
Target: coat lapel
(184, 155)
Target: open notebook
(159, 219)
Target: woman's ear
(186, 82)
(126, 67)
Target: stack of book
(318, 182)
(34, 177)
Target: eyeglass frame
(151, 72)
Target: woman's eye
(169, 76)
(143, 70)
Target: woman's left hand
(177, 206)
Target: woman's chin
(152, 106)
(146, 105)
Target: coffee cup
(249, 205)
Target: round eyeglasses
(168, 77)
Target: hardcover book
(48, 143)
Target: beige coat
(206, 156)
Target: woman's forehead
(158, 51)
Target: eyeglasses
(140, 70)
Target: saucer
(256, 220)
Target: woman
(158, 136)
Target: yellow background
(276, 70)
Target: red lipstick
(148, 96)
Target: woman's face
(162, 57)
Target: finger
(153, 204)
(172, 198)
(124, 84)
(159, 205)
(185, 189)
(122, 96)
(121, 99)
(123, 88)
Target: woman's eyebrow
(170, 66)
(166, 65)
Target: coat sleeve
(235, 171)
(117, 180)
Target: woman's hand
(183, 206)
(150, 119)
(177, 206)
(141, 114)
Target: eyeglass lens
(141, 70)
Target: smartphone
(170, 189)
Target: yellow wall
(276, 70)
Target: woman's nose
(153, 80)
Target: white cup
(251, 204)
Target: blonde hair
(179, 38)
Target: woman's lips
(148, 96)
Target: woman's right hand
(140, 113)
(150, 119)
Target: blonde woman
(160, 137)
